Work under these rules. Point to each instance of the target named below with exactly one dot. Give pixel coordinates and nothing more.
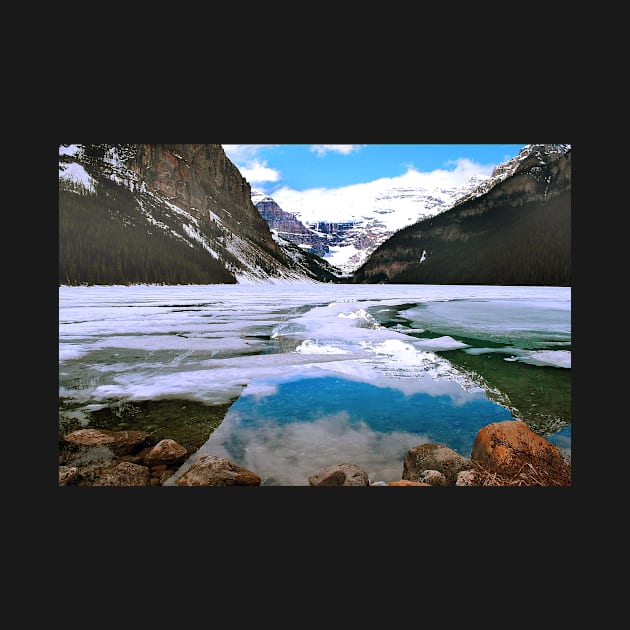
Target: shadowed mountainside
(516, 233)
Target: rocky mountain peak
(531, 156)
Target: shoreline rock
(504, 453)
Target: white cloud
(243, 152)
(464, 169)
(344, 149)
(255, 171)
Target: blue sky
(301, 167)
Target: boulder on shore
(210, 470)
(511, 449)
(431, 456)
(340, 475)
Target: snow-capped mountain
(183, 213)
(532, 156)
(359, 218)
(513, 229)
(167, 213)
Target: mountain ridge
(515, 228)
(361, 224)
(167, 213)
(184, 214)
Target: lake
(286, 378)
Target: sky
(270, 168)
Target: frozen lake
(315, 374)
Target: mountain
(167, 213)
(285, 225)
(513, 229)
(357, 219)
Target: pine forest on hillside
(104, 239)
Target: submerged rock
(120, 442)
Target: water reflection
(518, 349)
(287, 430)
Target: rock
(290, 227)
(340, 475)
(431, 456)
(120, 442)
(165, 475)
(433, 478)
(210, 470)
(503, 453)
(510, 445)
(124, 474)
(466, 478)
(167, 452)
(69, 475)
(137, 458)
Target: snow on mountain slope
(355, 220)
(535, 152)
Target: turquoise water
(308, 423)
(520, 348)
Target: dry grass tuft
(524, 473)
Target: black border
(284, 522)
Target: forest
(105, 239)
(525, 244)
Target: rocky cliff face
(166, 213)
(200, 179)
(515, 229)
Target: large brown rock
(431, 456)
(210, 470)
(511, 445)
(120, 442)
(340, 475)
